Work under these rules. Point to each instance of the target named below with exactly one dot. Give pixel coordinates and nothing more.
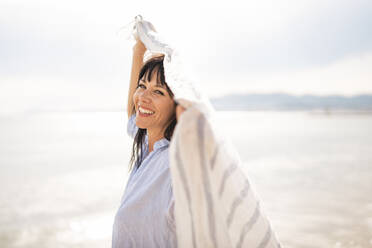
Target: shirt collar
(158, 144)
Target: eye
(140, 85)
(159, 92)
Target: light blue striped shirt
(145, 217)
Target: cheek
(166, 109)
(171, 108)
(135, 97)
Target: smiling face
(154, 105)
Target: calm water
(62, 176)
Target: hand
(139, 44)
(146, 32)
(179, 111)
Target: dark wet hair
(153, 65)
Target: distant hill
(281, 101)
(271, 102)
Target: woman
(145, 216)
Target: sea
(62, 175)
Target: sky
(70, 54)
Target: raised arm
(139, 50)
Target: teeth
(145, 111)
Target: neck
(153, 136)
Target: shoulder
(161, 157)
(163, 153)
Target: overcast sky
(68, 54)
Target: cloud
(71, 50)
(294, 38)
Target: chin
(141, 125)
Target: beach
(62, 175)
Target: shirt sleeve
(131, 126)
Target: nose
(144, 96)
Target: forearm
(137, 62)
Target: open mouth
(145, 112)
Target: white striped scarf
(215, 205)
